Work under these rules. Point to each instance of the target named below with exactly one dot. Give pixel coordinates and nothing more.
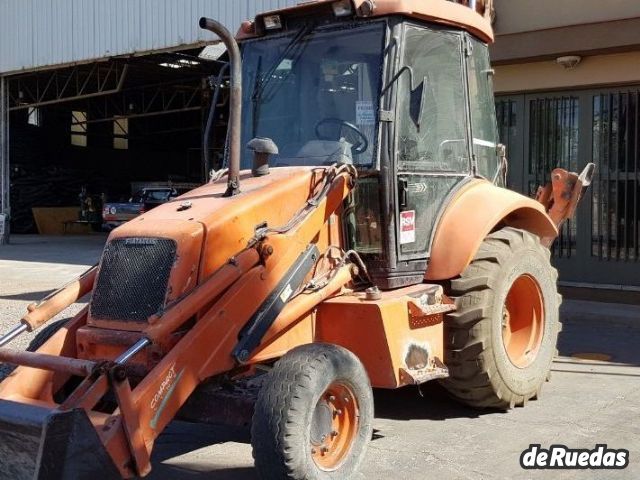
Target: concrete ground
(418, 435)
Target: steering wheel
(360, 144)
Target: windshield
(158, 195)
(142, 196)
(315, 94)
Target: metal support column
(4, 161)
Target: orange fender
(471, 215)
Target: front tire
(501, 340)
(313, 417)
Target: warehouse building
(568, 90)
(99, 98)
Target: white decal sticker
(286, 293)
(164, 387)
(164, 394)
(418, 187)
(484, 143)
(407, 227)
(364, 113)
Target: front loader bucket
(43, 444)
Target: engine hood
(206, 230)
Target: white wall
(614, 69)
(513, 16)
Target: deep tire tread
(472, 379)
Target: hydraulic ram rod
(55, 363)
(51, 305)
(13, 333)
(133, 351)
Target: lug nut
(332, 398)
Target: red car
(115, 214)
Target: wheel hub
(322, 423)
(334, 427)
(523, 321)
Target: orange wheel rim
(334, 426)
(523, 321)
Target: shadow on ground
(184, 437)
(429, 402)
(615, 339)
(27, 296)
(188, 471)
(180, 438)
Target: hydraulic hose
(212, 112)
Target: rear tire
(313, 417)
(501, 340)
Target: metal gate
(569, 129)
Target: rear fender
(471, 215)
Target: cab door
(432, 154)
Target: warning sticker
(407, 227)
(286, 293)
(364, 113)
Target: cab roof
(443, 12)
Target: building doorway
(569, 129)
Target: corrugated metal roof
(40, 33)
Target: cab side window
(483, 113)
(432, 112)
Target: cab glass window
(315, 93)
(483, 113)
(431, 103)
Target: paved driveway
(419, 434)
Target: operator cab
(314, 91)
(408, 102)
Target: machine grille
(133, 279)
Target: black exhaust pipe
(235, 108)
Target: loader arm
(226, 334)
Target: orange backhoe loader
(361, 236)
